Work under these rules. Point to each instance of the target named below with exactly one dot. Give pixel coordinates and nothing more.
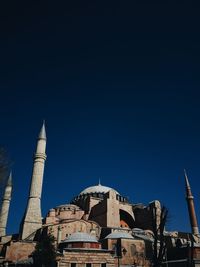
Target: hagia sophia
(86, 231)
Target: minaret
(32, 220)
(5, 206)
(191, 208)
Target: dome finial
(99, 181)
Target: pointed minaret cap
(42, 134)
(186, 179)
(9, 182)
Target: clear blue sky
(118, 86)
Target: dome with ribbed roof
(80, 237)
(97, 189)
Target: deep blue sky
(118, 85)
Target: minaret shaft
(32, 220)
(5, 206)
(191, 207)
(192, 215)
(37, 176)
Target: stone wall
(133, 252)
(18, 251)
(68, 227)
(95, 257)
(113, 217)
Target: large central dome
(97, 189)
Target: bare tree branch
(159, 246)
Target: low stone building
(81, 249)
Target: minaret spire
(186, 180)
(5, 206)
(32, 220)
(191, 208)
(42, 134)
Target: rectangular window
(73, 264)
(88, 264)
(103, 265)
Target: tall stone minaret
(32, 219)
(191, 208)
(5, 206)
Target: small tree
(45, 252)
(158, 224)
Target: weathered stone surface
(96, 258)
(19, 251)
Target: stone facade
(62, 230)
(18, 251)
(133, 252)
(83, 257)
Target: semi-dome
(97, 189)
(80, 237)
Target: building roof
(121, 235)
(144, 237)
(80, 237)
(97, 189)
(138, 230)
